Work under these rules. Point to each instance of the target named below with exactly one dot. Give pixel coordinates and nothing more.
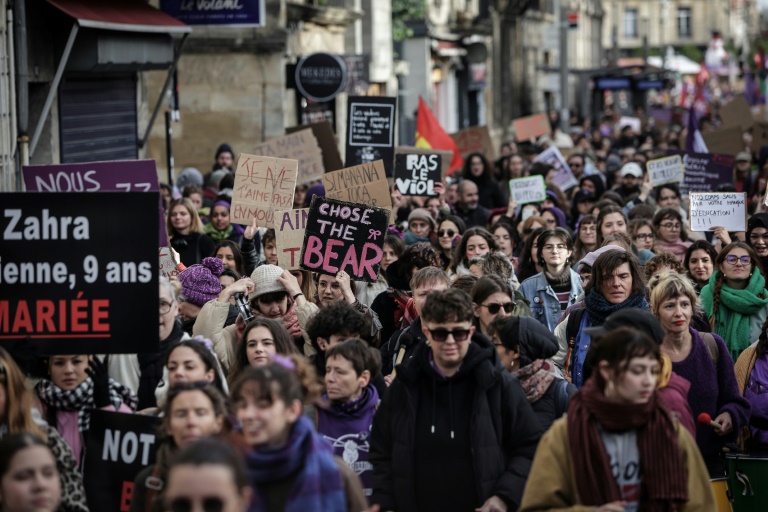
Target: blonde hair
(19, 399)
(195, 227)
(668, 285)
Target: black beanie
(224, 148)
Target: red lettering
(313, 249)
(292, 250)
(79, 312)
(44, 315)
(62, 317)
(22, 319)
(126, 496)
(5, 316)
(100, 312)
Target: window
(684, 27)
(630, 23)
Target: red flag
(430, 135)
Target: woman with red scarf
(618, 448)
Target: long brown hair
(19, 399)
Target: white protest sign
(665, 170)
(168, 267)
(564, 178)
(528, 190)
(712, 209)
(632, 122)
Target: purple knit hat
(200, 283)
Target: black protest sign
(78, 271)
(371, 130)
(704, 172)
(416, 175)
(118, 446)
(344, 236)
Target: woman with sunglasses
(492, 298)
(735, 300)
(449, 233)
(673, 237)
(557, 287)
(586, 238)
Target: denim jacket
(542, 298)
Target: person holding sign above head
(735, 300)
(29, 478)
(186, 233)
(672, 235)
(193, 411)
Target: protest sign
(371, 131)
(445, 156)
(344, 236)
(531, 127)
(289, 236)
(366, 184)
(665, 170)
(116, 176)
(737, 113)
(704, 172)
(326, 139)
(712, 209)
(416, 175)
(475, 139)
(727, 141)
(632, 122)
(168, 267)
(564, 178)
(75, 276)
(262, 185)
(118, 447)
(530, 189)
(301, 146)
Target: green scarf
(217, 235)
(736, 308)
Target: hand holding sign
(527, 190)
(724, 210)
(665, 170)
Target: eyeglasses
(671, 226)
(644, 236)
(733, 260)
(441, 334)
(495, 308)
(755, 237)
(165, 307)
(555, 248)
(210, 504)
(446, 232)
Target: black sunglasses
(444, 232)
(210, 504)
(495, 308)
(442, 334)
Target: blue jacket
(542, 298)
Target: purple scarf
(318, 483)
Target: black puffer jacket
(407, 338)
(501, 427)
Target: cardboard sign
(737, 113)
(530, 189)
(262, 185)
(727, 141)
(289, 236)
(531, 127)
(168, 267)
(475, 139)
(75, 276)
(416, 175)
(713, 209)
(365, 184)
(704, 172)
(118, 447)
(564, 178)
(445, 156)
(301, 146)
(371, 131)
(325, 137)
(665, 170)
(117, 176)
(344, 236)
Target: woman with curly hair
(663, 262)
(735, 300)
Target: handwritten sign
(632, 122)
(371, 130)
(445, 156)
(326, 139)
(262, 185)
(712, 209)
(416, 175)
(344, 236)
(168, 267)
(118, 447)
(117, 176)
(704, 172)
(531, 127)
(665, 170)
(289, 236)
(475, 139)
(77, 278)
(564, 178)
(365, 183)
(530, 189)
(302, 146)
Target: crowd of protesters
(544, 356)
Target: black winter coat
(409, 338)
(503, 429)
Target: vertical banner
(262, 185)
(78, 271)
(118, 447)
(371, 131)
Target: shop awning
(124, 15)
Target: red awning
(125, 15)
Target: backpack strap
(714, 349)
(561, 398)
(571, 331)
(154, 485)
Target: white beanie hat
(265, 279)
